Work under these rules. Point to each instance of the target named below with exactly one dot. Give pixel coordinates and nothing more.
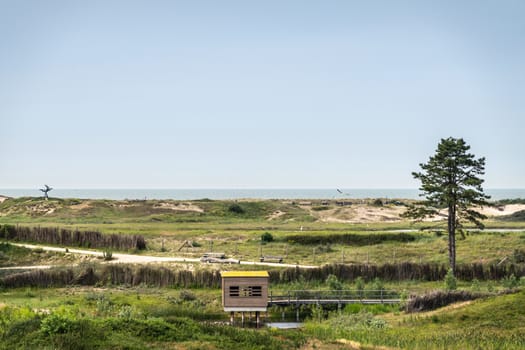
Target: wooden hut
(245, 291)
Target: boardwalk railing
(339, 297)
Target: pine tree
(451, 180)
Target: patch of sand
(364, 213)
(179, 207)
(83, 205)
(275, 215)
(502, 210)
(359, 213)
(3, 198)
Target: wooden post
(257, 319)
(232, 317)
(242, 319)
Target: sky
(257, 94)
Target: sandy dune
(363, 213)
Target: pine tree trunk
(452, 237)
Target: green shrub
(267, 237)
(236, 209)
(450, 281)
(186, 295)
(333, 283)
(510, 282)
(57, 323)
(359, 284)
(475, 286)
(518, 255)
(377, 203)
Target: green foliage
(451, 282)
(510, 281)
(352, 239)
(375, 309)
(187, 295)
(267, 237)
(475, 286)
(451, 180)
(57, 323)
(333, 283)
(341, 324)
(518, 255)
(377, 284)
(359, 284)
(236, 209)
(377, 202)
(518, 216)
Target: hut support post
(232, 317)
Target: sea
(218, 194)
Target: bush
(450, 281)
(359, 284)
(236, 209)
(377, 203)
(186, 295)
(510, 282)
(57, 323)
(334, 283)
(518, 256)
(267, 237)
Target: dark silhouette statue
(45, 190)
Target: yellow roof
(245, 274)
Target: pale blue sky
(256, 94)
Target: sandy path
(143, 259)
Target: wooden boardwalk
(334, 297)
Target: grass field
(114, 316)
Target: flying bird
(338, 190)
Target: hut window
(234, 291)
(245, 291)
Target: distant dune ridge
(329, 211)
